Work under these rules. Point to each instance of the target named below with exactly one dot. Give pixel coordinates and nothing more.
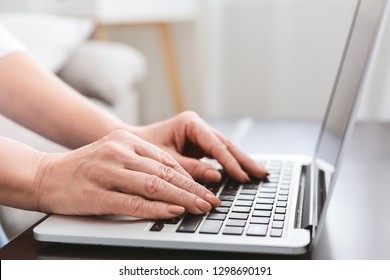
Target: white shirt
(8, 43)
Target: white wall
(279, 58)
(259, 58)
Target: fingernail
(215, 202)
(202, 205)
(212, 175)
(245, 177)
(176, 210)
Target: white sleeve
(8, 43)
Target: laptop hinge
(321, 193)
(304, 213)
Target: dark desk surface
(357, 222)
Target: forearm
(41, 102)
(19, 165)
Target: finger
(200, 171)
(168, 174)
(146, 149)
(154, 188)
(201, 134)
(247, 163)
(135, 206)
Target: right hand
(119, 174)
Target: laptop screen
(350, 80)
(349, 86)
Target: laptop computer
(282, 214)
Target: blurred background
(221, 58)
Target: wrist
(19, 167)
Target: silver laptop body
(280, 215)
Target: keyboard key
(276, 232)
(267, 195)
(247, 203)
(277, 224)
(249, 186)
(211, 227)
(279, 210)
(213, 187)
(263, 207)
(157, 226)
(239, 216)
(172, 221)
(248, 191)
(229, 192)
(220, 210)
(265, 201)
(233, 230)
(268, 190)
(232, 184)
(227, 197)
(284, 192)
(246, 197)
(236, 223)
(254, 181)
(273, 180)
(270, 185)
(282, 198)
(261, 213)
(190, 223)
(281, 204)
(216, 216)
(279, 217)
(241, 209)
(285, 187)
(259, 220)
(226, 204)
(273, 177)
(257, 230)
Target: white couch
(105, 72)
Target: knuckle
(197, 189)
(192, 186)
(153, 185)
(166, 159)
(110, 150)
(134, 204)
(166, 173)
(218, 148)
(119, 134)
(190, 114)
(182, 197)
(133, 160)
(187, 185)
(155, 210)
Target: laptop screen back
(350, 80)
(350, 84)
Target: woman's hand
(188, 138)
(119, 174)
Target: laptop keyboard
(255, 208)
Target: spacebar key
(190, 223)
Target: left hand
(188, 138)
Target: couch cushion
(104, 70)
(50, 39)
